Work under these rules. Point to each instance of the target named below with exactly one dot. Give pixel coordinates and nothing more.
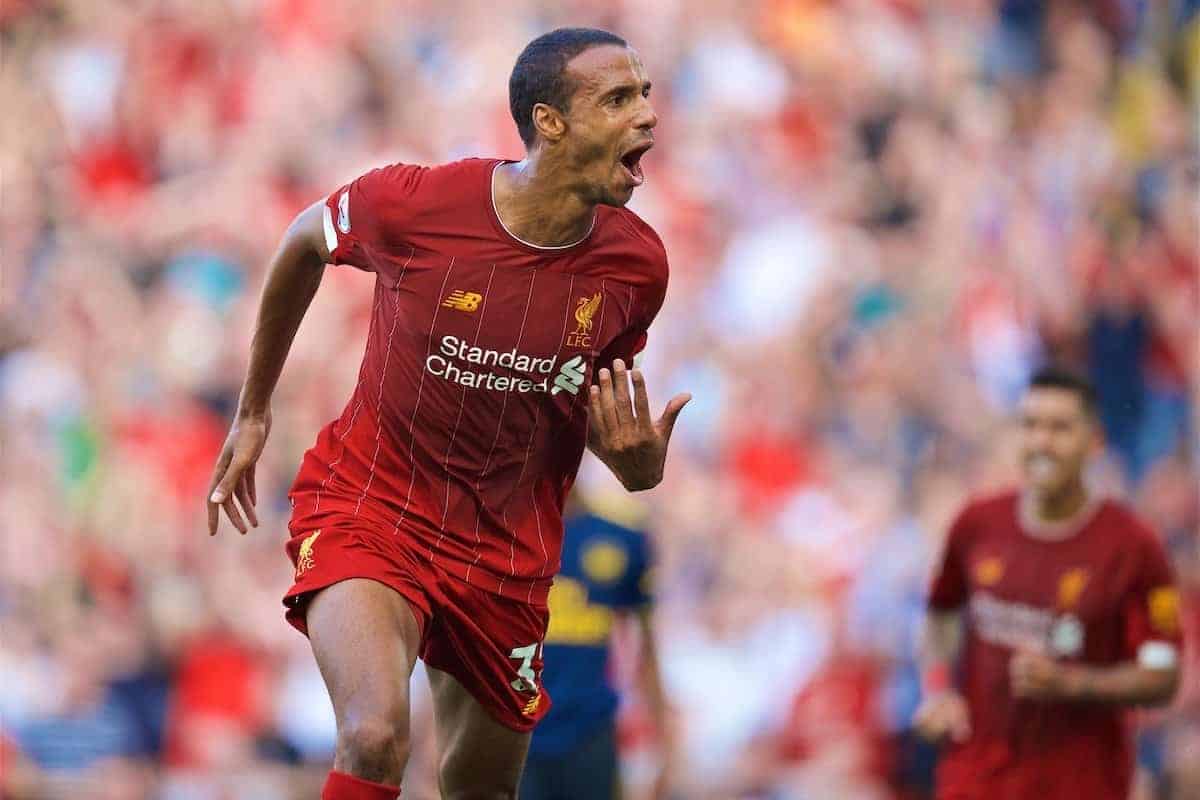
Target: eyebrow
(630, 86)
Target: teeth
(1042, 466)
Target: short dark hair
(1056, 376)
(539, 76)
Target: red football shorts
(490, 644)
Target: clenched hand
(943, 715)
(1033, 676)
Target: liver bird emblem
(586, 310)
(304, 559)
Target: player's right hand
(943, 715)
(633, 446)
(233, 477)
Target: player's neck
(1062, 505)
(1057, 515)
(538, 208)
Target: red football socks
(340, 786)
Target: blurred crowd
(881, 216)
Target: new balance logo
(532, 706)
(463, 301)
(570, 376)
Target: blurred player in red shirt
(1070, 614)
(427, 519)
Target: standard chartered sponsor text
(1010, 624)
(459, 362)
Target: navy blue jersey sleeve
(636, 589)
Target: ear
(549, 122)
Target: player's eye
(617, 100)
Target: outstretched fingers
(608, 404)
(641, 400)
(596, 413)
(622, 403)
(666, 423)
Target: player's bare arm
(1037, 677)
(943, 710)
(293, 276)
(623, 434)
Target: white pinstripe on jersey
(496, 438)
(537, 517)
(462, 404)
(412, 481)
(512, 542)
(362, 376)
(387, 355)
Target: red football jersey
(1097, 595)
(469, 419)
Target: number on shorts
(527, 678)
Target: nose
(1041, 439)
(646, 117)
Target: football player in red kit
(427, 519)
(1070, 616)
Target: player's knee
(373, 745)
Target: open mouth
(1042, 467)
(632, 162)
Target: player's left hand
(633, 445)
(1033, 676)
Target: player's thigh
(365, 638)
(480, 757)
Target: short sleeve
(1151, 616)
(633, 339)
(365, 221)
(624, 347)
(949, 588)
